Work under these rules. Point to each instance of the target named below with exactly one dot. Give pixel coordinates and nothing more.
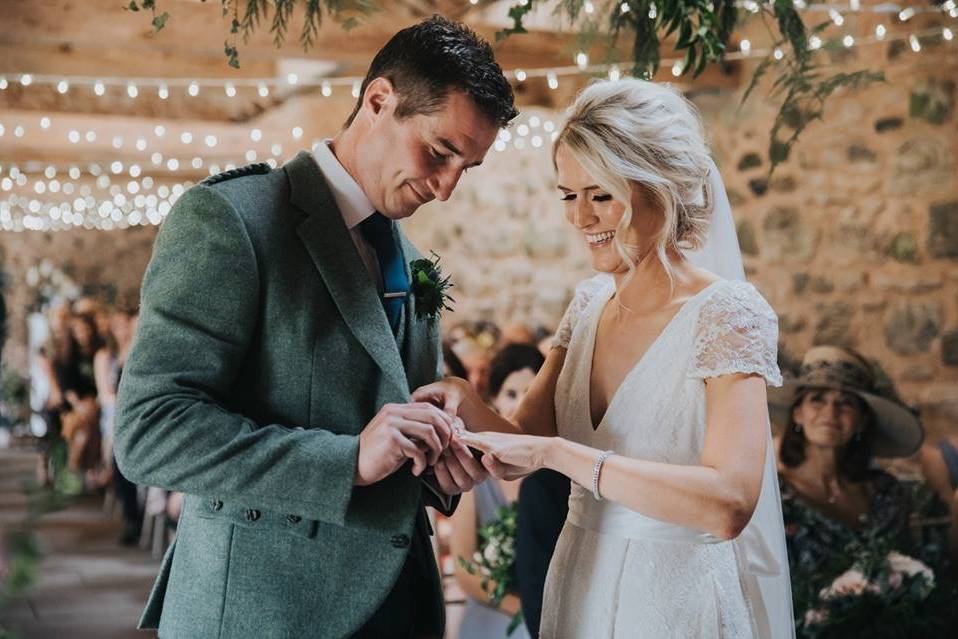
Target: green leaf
(160, 21)
(133, 6)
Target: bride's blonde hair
(644, 139)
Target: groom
(271, 374)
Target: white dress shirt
(353, 205)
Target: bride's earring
(797, 427)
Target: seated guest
(475, 355)
(543, 507)
(510, 374)
(452, 366)
(939, 464)
(835, 422)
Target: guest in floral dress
(832, 495)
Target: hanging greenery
(698, 30)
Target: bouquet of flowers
(494, 562)
(883, 594)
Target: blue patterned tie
(378, 231)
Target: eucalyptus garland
(700, 30)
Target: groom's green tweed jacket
(262, 351)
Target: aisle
(89, 587)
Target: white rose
(491, 553)
(902, 564)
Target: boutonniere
(429, 288)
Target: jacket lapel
(330, 246)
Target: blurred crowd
(831, 431)
(82, 360)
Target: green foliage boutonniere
(429, 288)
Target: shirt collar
(352, 202)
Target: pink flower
(815, 616)
(900, 565)
(850, 582)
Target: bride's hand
(448, 394)
(510, 456)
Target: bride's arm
(536, 412)
(717, 495)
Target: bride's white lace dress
(615, 572)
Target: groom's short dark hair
(426, 61)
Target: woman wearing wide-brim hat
(835, 422)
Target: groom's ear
(380, 97)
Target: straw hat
(897, 431)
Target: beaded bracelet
(598, 469)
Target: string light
(520, 75)
(99, 203)
(232, 86)
(581, 60)
(63, 86)
(327, 89)
(745, 46)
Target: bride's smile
(598, 240)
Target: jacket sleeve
(199, 308)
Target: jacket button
(293, 519)
(251, 514)
(400, 541)
(216, 505)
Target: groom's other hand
(457, 470)
(419, 432)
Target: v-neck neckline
(638, 362)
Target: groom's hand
(457, 470)
(419, 432)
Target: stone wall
(854, 241)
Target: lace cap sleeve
(584, 292)
(737, 332)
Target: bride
(653, 399)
